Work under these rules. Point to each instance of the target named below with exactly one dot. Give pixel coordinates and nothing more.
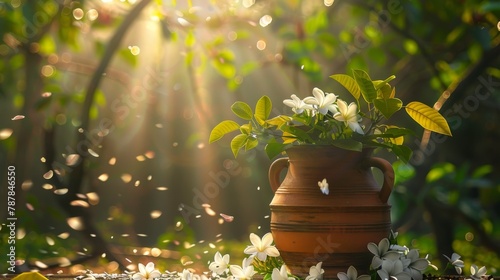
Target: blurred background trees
(119, 98)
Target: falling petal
(75, 223)
(137, 183)
(63, 262)
(140, 158)
(82, 196)
(178, 226)
(227, 218)
(50, 241)
(26, 185)
(112, 161)
(79, 203)
(47, 186)
(162, 188)
(48, 174)
(205, 205)
(210, 212)
(18, 117)
(150, 154)
(21, 233)
(61, 191)
(126, 178)
(93, 198)
(72, 159)
(5, 133)
(155, 214)
(46, 94)
(93, 153)
(103, 177)
(30, 207)
(40, 264)
(63, 235)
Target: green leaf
(222, 129)
(398, 131)
(242, 110)
(365, 84)
(263, 108)
(384, 90)
(348, 144)
(429, 118)
(251, 143)
(402, 152)
(388, 106)
(274, 149)
(349, 83)
(237, 143)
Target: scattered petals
(323, 185)
(18, 117)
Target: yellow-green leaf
(388, 106)
(246, 128)
(349, 84)
(237, 143)
(222, 129)
(428, 117)
(251, 143)
(263, 108)
(242, 110)
(279, 120)
(365, 85)
(384, 91)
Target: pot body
(310, 227)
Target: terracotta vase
(309, 226)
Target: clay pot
(310, 227)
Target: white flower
(352, 274)
(323, 185)
(281, 274)
(186, 275)
(246, 271)
(415, 265)
(476, 273)
(430, 264)
(392, 269)
(381, 252)
(262, 247)
(316, 272)
(348, 115)
(298, 106)
(456, 262)
(323, 102)
(220, 263)
(147, 272)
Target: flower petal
(272, 251)
(267, 240)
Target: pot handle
(274, 172)
(388, 172)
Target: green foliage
(310, 126)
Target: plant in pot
(328, 206)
